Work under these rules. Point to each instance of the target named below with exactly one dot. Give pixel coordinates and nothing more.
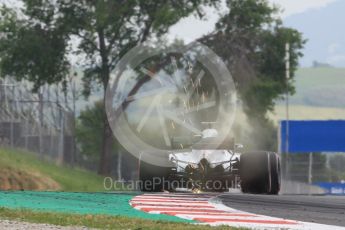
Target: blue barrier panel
(332, 188)
(313, 136)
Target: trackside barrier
(332, 188)
(294, 187)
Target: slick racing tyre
(153, 178)
(260, 173)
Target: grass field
(320, 95)
(307, 78)
(322, 87)
(303, 112)
(16, 164)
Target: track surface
(315, 209)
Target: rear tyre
(153, 178)
(275, 174)
(260, 173)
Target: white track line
(176, 195)
(207, 209)
(170, 200)
(167, 198)
(172, 204)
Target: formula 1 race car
(211, 167)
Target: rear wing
(196, 142)
(184, 142)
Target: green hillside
(324, 87)
(320, 95)
(303, 112)
(20, 170)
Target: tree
(33, 49)
(106, 30)
(89, 130)
(251, 40)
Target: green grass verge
(97, 221)
(70, 179)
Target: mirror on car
(239, 146)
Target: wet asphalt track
(328, 210)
